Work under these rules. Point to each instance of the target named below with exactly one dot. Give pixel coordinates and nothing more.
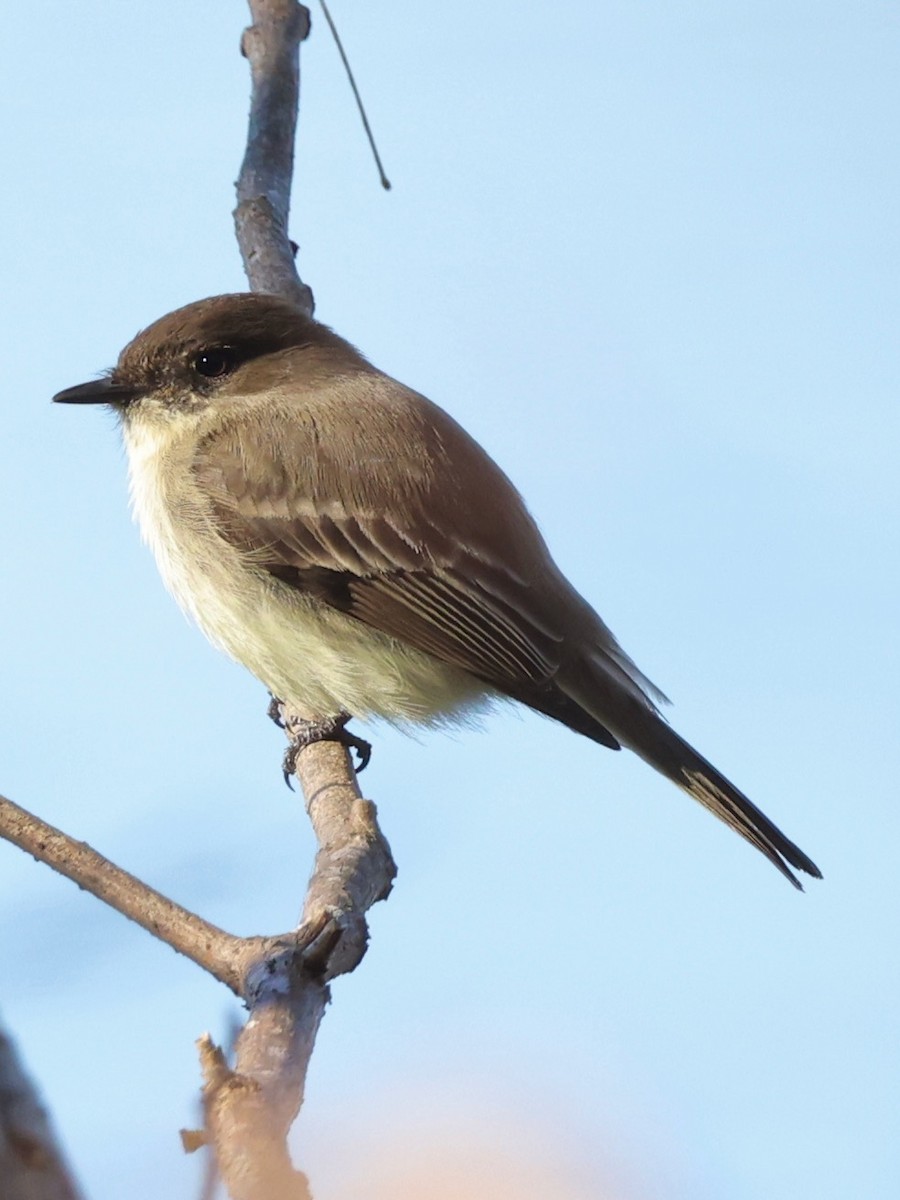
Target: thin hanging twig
(385, 182)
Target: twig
(385, 182)
(207, 945)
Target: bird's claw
(302, 733)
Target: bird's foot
(302, 733)
(273, 712)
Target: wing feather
(478, 591)
(447, 599)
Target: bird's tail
(636, 723)
(670, 754)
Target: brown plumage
(348, 542)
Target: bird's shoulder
(357, 441)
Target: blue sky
(647, 253)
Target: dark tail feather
(661, 746)
(638, 726)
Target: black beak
(98, 391)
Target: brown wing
(392, 565)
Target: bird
(348, 542)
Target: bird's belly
(322, 662)
(318, 659)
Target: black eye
(213, 363)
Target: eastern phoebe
(344, 539)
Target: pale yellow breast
(318, 659)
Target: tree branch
(272, 47)
(250, 1110)
(283, 980)
(207, 945)
(32, 1166)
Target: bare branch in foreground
(32, 1165)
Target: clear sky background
(647, 253)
